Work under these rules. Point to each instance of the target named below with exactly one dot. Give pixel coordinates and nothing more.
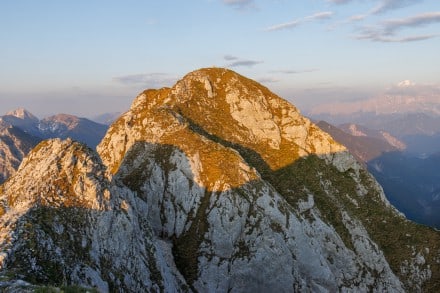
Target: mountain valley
(405, 165)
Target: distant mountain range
(69, 126)
(410, 117)
(398, 124)
(411, 183)
(363, 143)
(106, 118)
(20, 131)
(57, 126)
(392, 103)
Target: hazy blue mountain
(20, 131)
(68, 126)
(411, 183)
(106, 118)
(57, 126)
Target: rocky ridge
(63, 222)
(14, 145)
(20, 131)
(218, 185)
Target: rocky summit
(213, 185)
(14, 145)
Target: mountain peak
(50, 159)
(69, 121)
(221, 151)
(221, 105)
(23, 114)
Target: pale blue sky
(93, 56)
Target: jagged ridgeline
(213, 185)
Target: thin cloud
(244, 63)
(237, 62)
(295, 71)
(146, 79)
(388, 5)
(297, 22)
(241, 4)
(350, 20)
(408, 39)
(391, 26)
(386, 31)
(380, 37)
(319, 15)
(382, 5)
(282, 26)
(230, 57)
(357, 17)
(338, 1)
(267, 80)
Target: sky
(88, 57)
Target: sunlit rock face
(20, 131)
(213, 185)
(63, 221)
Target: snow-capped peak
(406, 83)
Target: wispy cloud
(267, 80)
(357, 17)
(281, 26)
(350, 20)
(338, 1)
(319, 15)
(297, 22)
(387, 5)
(383, 5)
(230, 57)
(146, 79)
(386, 31)
(390, 26)
(238, 62)
(244, 63)
(295, 71)
(240, 4)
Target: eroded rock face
(14, 145)
(215, 184)
(249, 237)
(64, 222)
